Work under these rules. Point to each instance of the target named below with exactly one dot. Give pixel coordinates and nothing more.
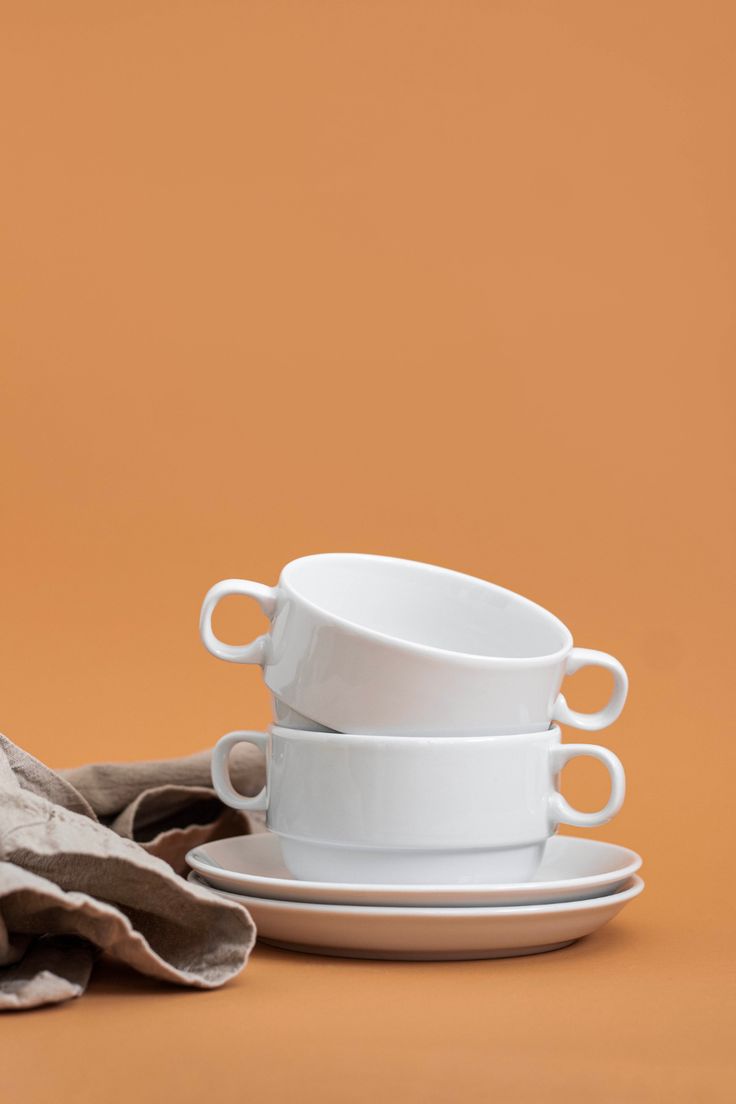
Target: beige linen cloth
(90, 862)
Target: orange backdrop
(451, 281)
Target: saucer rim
(589, 881)
(633, 888)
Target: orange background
(451, 281)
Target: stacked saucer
(580, 885)
(413, 778)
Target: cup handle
(255, 652)
(591, 722)
(221, 771)
(560, 809)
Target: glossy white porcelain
(414, 810)
(356, 931)
(373, 644)
(287, 717)
(572, 869)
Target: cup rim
(544, 659)
(350, 739)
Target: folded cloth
(72, 885)
(168, 806)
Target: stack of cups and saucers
(413, 769)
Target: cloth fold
(88, 864)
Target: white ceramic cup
(414, 810)
(389, 647)
(286, 717)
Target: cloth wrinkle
(90, 863)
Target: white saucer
(356, 931)
(573, 869)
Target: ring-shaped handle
(255, 652)
(561, 811)
(592, 722)
(221, 770)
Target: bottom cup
(414, 810)
(324, 862)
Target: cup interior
(427, 605)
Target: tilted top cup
(384, 646)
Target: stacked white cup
(416, 739)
